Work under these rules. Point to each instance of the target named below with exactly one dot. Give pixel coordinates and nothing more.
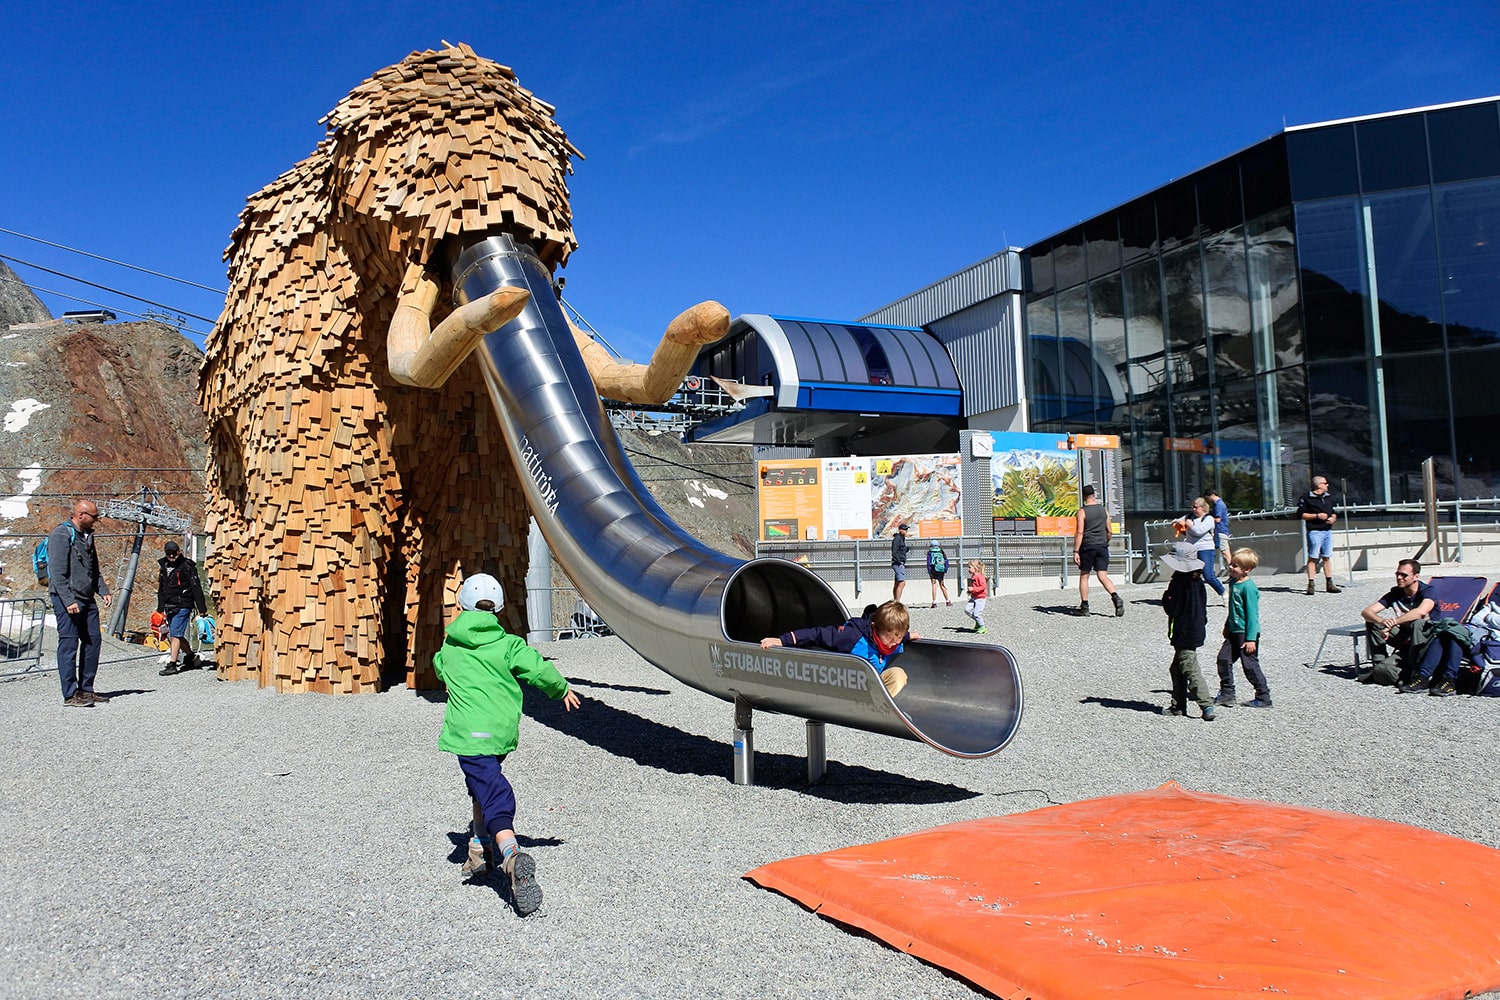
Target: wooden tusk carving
(422, 356)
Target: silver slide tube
(693, 612)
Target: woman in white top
(1199, 533)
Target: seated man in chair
(1388, 624)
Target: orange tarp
(1167, 893)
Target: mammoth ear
(421, 356)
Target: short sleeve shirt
(1397, 598)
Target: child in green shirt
(1242, 633)
(481, 664)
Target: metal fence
(22, 622)
(863, 562)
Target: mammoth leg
(421, 355)
(701, 324)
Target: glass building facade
(1326, 301)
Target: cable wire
(115, 291)
(107, 260)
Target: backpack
(39, 558)
(939, 561)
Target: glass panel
(1148, 423)
(1192, 421)
(1416, 420)
(1331, 252)
(1392, 153)
(1138, 229)
(1267, 188)
(1148, 365)
(1476, 414)
(1176, 214)
(1041, 341)
(1182, 282)
(1283, 400)
(1465, 142)
(1274, 317)
(1219, 197)
(1406, 276)
(1077, 371)
(838, 358)
(1227, 299)
(1345, 428)
(1238, 460)
(1468, 225)
(1067, 258)
(1107, 312)
(1038, 261)
(1103, 238)
(1322, 163)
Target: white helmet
(481, 587)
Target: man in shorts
(898, 561)
(1091, 550)
(1316, 511)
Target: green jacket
(480, 663)
(1244, 610)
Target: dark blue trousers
(77, 646)
(490, 787)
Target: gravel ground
(197, 838)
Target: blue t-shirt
(1220, 512)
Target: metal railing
(22, 623)
(868, 561)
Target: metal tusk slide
(693, 612)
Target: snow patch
(31, 478)
(717, 494)
(695, 501)
(15, 364)
(21, 411)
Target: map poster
(846, 498)
(1035, 479)
(920, 490)
(791, 499)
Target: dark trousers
(1441, 659)
(489, 786)
(77, 646)
(1234, 649)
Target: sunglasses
(1403, 576)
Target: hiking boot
(477, 863)
(190, 661)
(981, 630)
(1257, 703)
(169, 670)
(1119, 606)
(1311, 589)
(1226, 699)
(1332, 587)
(1412, 686)
(1443, 689)
(1208, 713)
(1083, 609)
(1174, 710)
(95, 698)
(524, 891)
(78, 701)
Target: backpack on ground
(939, 561)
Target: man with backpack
(937, 571)
(177, 595)
(76, 586)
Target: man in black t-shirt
(1411, 600)
(898, 561)
(1091, 550)
(1316, 511)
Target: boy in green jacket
(1242, 633)
(480, 664)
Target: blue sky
(806, 159)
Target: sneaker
(524, 891)
(1443, 689)
(981, 630)
(1174, 710)
(934, 603)
(1226, 699)
(1311, 589)
(950, 604)
(1414, 685)
(78, 701)
(1083, 609)
(94, 697)
(1257, 703)
(1208, 713)
(1119, 606)
(476, 863)
(1332, 587)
